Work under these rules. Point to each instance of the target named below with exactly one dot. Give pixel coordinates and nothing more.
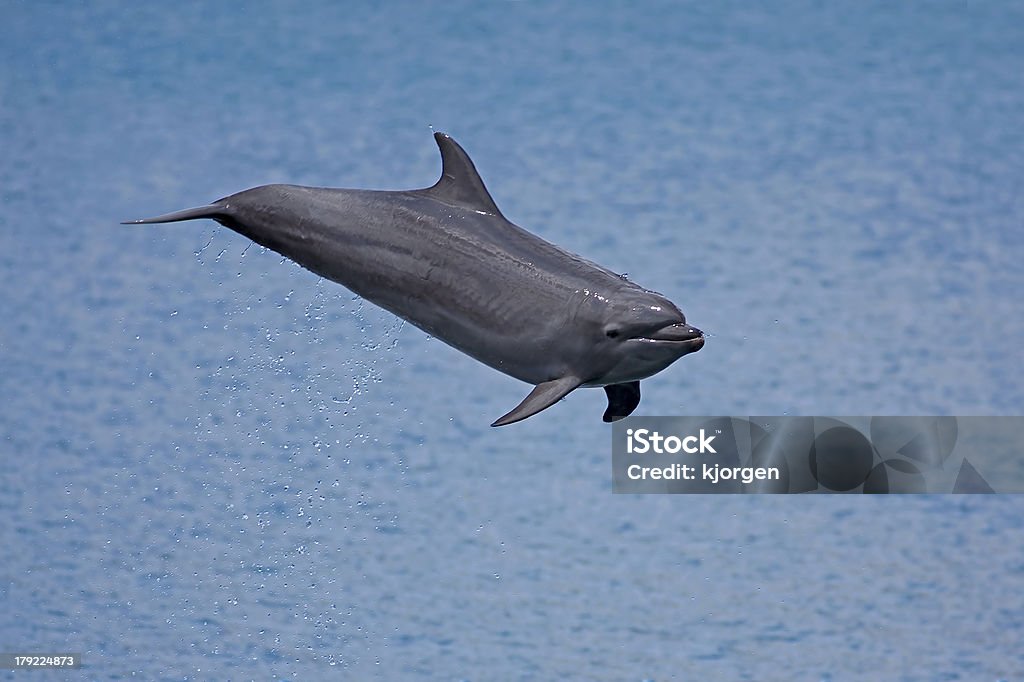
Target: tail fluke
(211, 211)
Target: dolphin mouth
(682, 335)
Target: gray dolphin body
(445, 259)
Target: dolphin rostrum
(445, 259)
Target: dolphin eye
(612, 333)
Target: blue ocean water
(216, 466)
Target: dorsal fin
(460, 183)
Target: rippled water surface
(216, 466)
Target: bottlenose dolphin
(445, 259)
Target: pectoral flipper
(622, 400)
(541, 397)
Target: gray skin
(446, 260)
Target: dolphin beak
(680, 333)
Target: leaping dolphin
(445, 259)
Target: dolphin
(445, 259)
